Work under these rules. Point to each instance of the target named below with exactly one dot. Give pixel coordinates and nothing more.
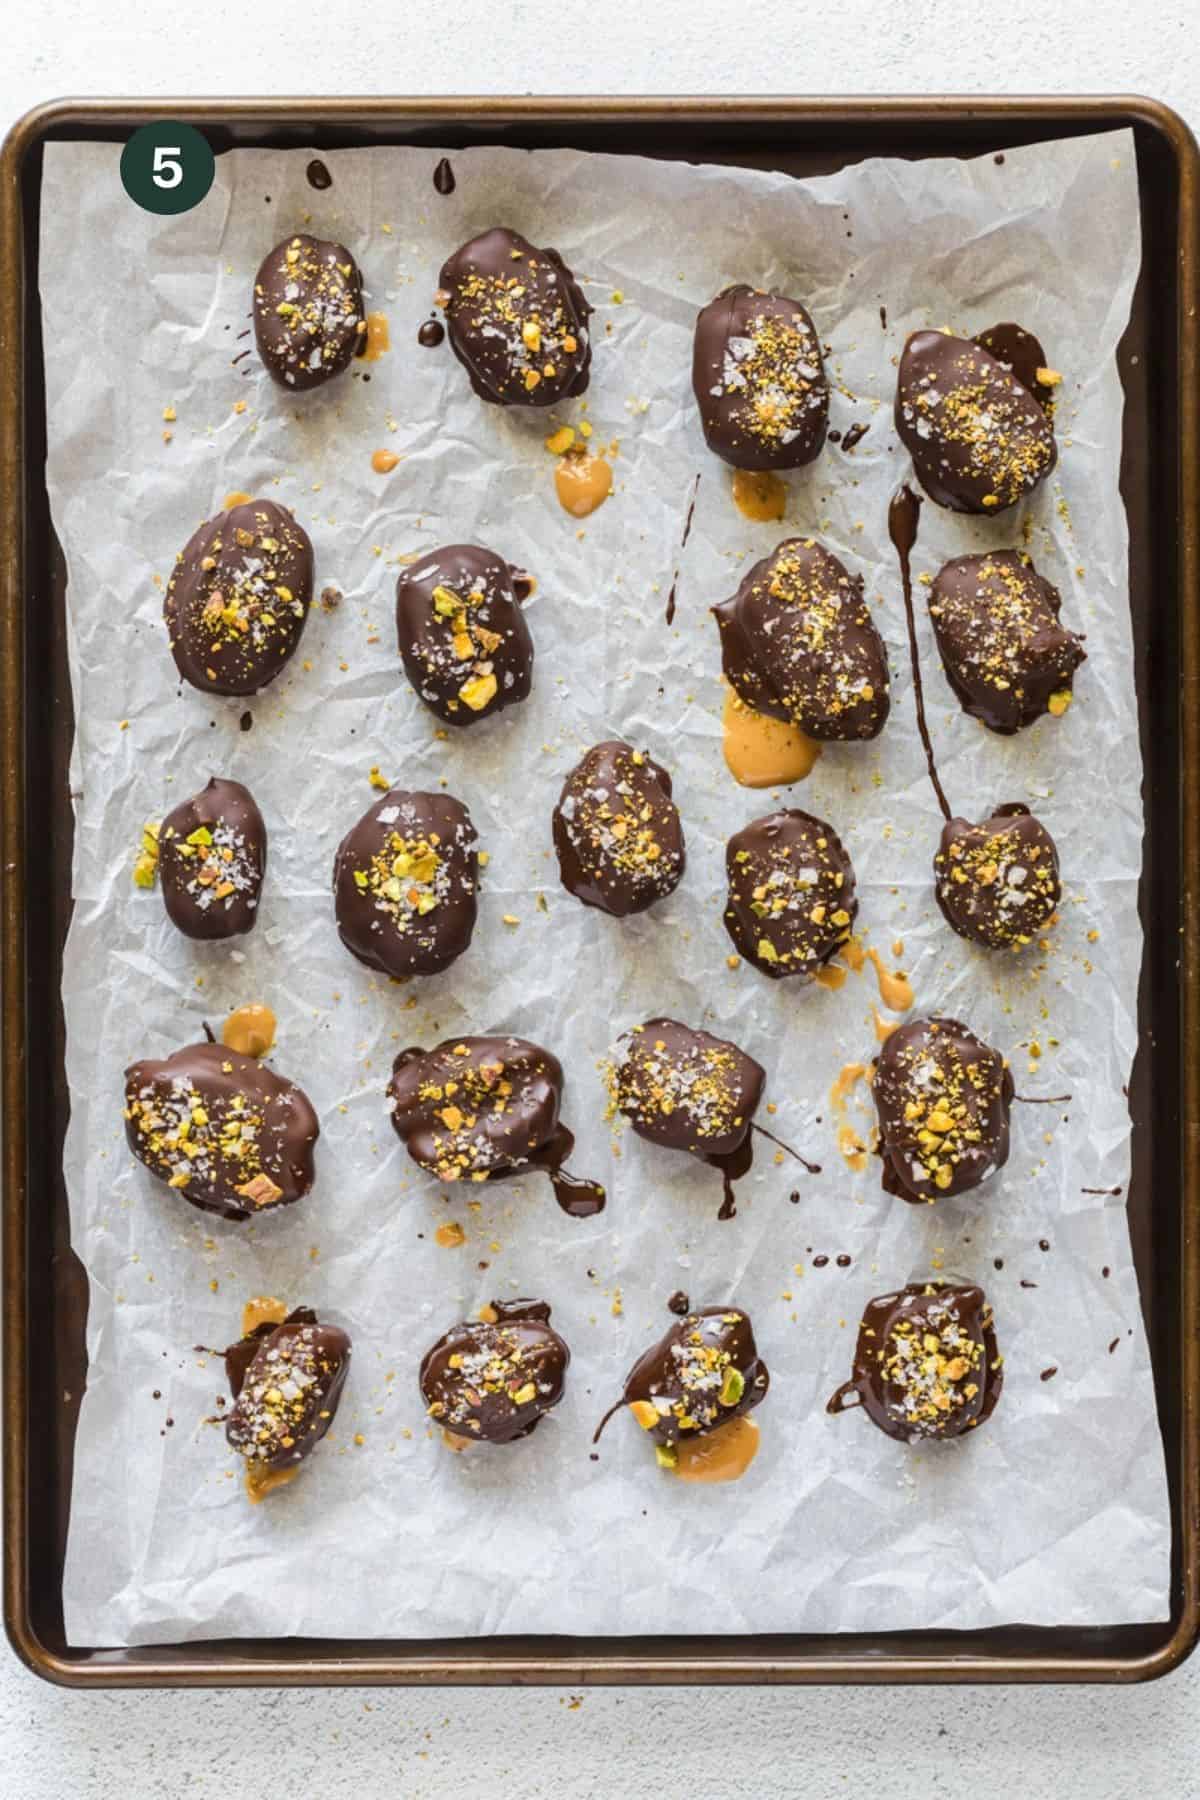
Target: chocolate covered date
(759, 380)
(404, 883)
(227, 1133)
(462, 634)
(308, 311)
(798, 643)
(238, 598)
(212, 856)
(517, 320)
(617, 831)
(926, 1364)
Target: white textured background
(1065, 1744)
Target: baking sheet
(1057, 1513)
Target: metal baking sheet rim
(571, 1662)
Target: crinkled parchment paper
(1057, 1512)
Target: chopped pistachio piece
(733, 1386)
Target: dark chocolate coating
(1022, 353)
(684, 1376)
(759, 380)
(462, 634)
(798, 643)
(238, 599)
(494, 1381)
(979, 439)
(404, 883)
(687, 1090)
(943, 1098)
(476, 1108)
(791, 901)
(997, 882)
(517, 320)
(308, 311)
(212, 859)
(286, 1381)
(1006, 656)
(239, 1356)
(913, 1388)
(250, 1150)
(617, 831)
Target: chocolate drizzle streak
(812, 1167)
(904, 513)
(687, 529)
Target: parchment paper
(1057, 1512)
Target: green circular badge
(167, 168)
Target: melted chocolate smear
(883, 317)
(431, 334)
(581, 1199)
(854, 435)
(904, 513)
(1113, 1345)
(1042, 1100)
(1112, 1190)
(443, 177)
(819, 1262)
(208, 1031)
(1050, 1373)
(794, 1197)
(679, 1303)
(235, 360)
(246, 721)
(671, 599)
(733, 1165)
(1106, 1271)
(317, 175)
(812, 1167)
(1029, 1284)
